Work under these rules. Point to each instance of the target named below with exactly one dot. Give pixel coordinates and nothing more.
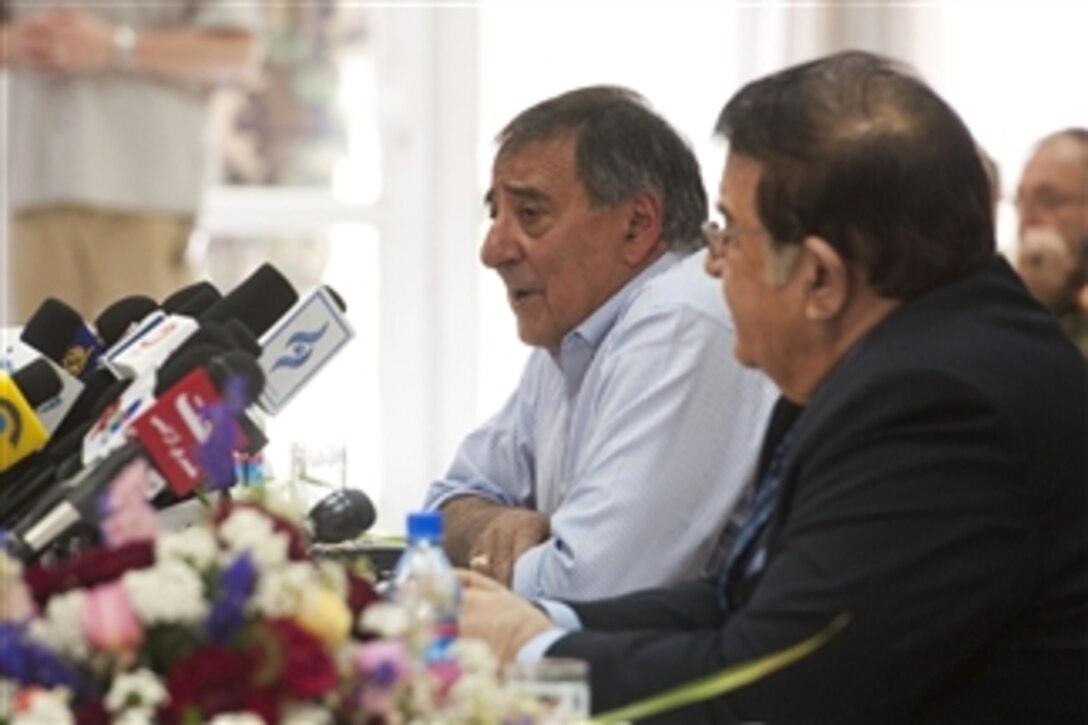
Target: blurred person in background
(1052, 205)
(106, 145)
(633, 431)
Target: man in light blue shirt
(611, 467)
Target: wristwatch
(124, 47)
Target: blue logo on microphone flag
(299, 346)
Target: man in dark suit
(926, 472)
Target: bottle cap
(425, 525)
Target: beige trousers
(89, 259)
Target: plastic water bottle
(424, 584)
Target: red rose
(290, 658)
(361, 594)
(93, 712)
(87, 569)
(210, 681)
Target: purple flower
(29, 663)
(236, 585)
(216, 454)
(382, 662)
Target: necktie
(762, 505)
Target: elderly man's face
(1053, 190)
(559, 258)
(763, 295)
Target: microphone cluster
(174, 383)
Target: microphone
(194, 417)
(128, 399)
(59, 460)
(255, 302)
(59, 333)
(341, 516)
(192, 300)
(104, 430)
(79, 502)
(227, 335)
(200, 409)
(300, 344)
(21, 432)
(116, 320)
(53, 412)
(147, 347)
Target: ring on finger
(480, 562)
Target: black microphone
(115, 410)
(165, 435)
(78, 502)
(101, 431)
(341, 516)
(59, 333)
(192, 300)
(115, 321)
(59, 460)
(257, 302)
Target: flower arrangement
(228, 622)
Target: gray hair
(622, 147)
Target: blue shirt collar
(580, 344)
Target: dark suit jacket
(936, 491)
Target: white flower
(385, 619)
(139, 690)
(168, 592)
(45, 706)
(61, 629)
(249, 530)
(135, 716)
(195, 545)
(280, 590)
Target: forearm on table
(464, 517)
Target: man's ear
(827, 280)
(645, 218)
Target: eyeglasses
(719, 239)
(1048, 199)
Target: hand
(492, 613)
(505, 538)
(1046, 264)
(63, 41)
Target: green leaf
(729, 679)
(166, 644)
